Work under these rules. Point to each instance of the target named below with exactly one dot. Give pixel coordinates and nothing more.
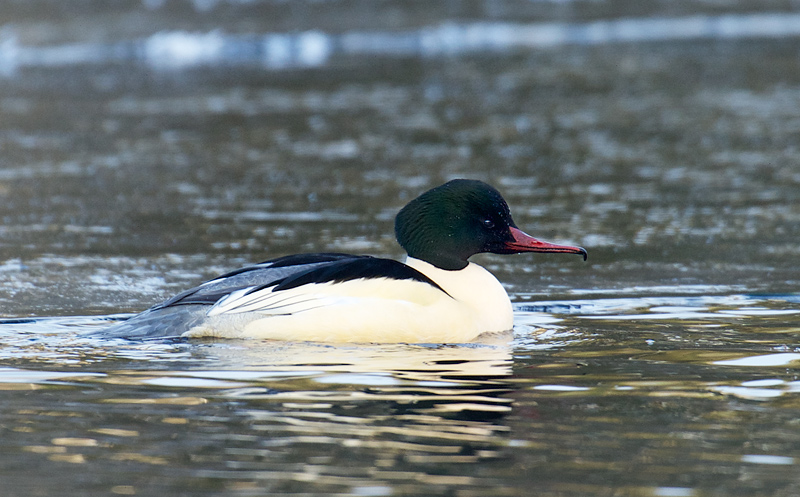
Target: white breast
(477, 289)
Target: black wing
(173, 317)
(267, 298)
(188, 309)
(260, 275)
(354, 269)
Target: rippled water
(642, 396)
(147, 146)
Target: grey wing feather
(164, 322)
(254, 276)
(182, 312)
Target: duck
(436, 295)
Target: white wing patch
(316, 295)
(270, 303)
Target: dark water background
(146, 146)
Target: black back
(294, 271)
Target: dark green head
(447, 225)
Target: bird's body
(436, 295)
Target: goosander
(436, 296)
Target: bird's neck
(476, 288)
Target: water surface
(147, 146)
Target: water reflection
(267, 415)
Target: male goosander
(436, 296)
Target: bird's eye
(488, 223)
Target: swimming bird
(435, 296)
